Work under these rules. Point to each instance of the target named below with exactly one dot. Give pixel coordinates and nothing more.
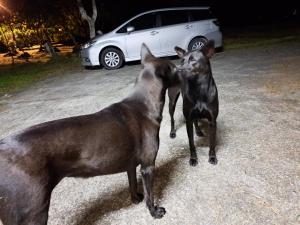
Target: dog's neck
(194, 85)
(149, 90)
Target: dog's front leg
(212, 158)
(135, 196)
(190, 133)
(147, 176)
(173, 94)
(187, 111)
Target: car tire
(111, 58)
(197, 43)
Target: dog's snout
(180, 70)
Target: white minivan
(161, 30)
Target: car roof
(176, 8)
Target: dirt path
(257, 179)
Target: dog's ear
(146, 55)
(209, 49)
(180, 52)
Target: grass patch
(250, 42)
(16, 77)
(260, 36)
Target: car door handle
(188, 26)
(153, 32)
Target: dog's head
(197, 61)
(161, 68)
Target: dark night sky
(230, 12)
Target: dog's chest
(196, 91)
(200, 112)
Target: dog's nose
(184, 70)
(180, 69)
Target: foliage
(28, 28)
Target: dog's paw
(137, 198)
(213, 160)
(172, 134)
(158, 212)
(193, 162)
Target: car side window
(173, 17)
(196, 15)
(143, 22)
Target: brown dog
(115, 139)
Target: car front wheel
(197, 43)
(111, 58)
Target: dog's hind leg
(173, 94)
(135, 196)
(27, 205)
(212, 158)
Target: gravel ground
(257, 179)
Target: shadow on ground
(121, 198)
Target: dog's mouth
(187, 71)
(190, 72)
(183, 69)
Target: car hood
(103, 37)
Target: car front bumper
(89, 57)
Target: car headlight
(89, 44)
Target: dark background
(231, 13)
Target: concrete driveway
(257, 179)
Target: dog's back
(72, 143)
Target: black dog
(115, 139)
(200, 97)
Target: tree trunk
(14, 43)
(90, 20)
(92, 29)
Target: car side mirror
(130, 29)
